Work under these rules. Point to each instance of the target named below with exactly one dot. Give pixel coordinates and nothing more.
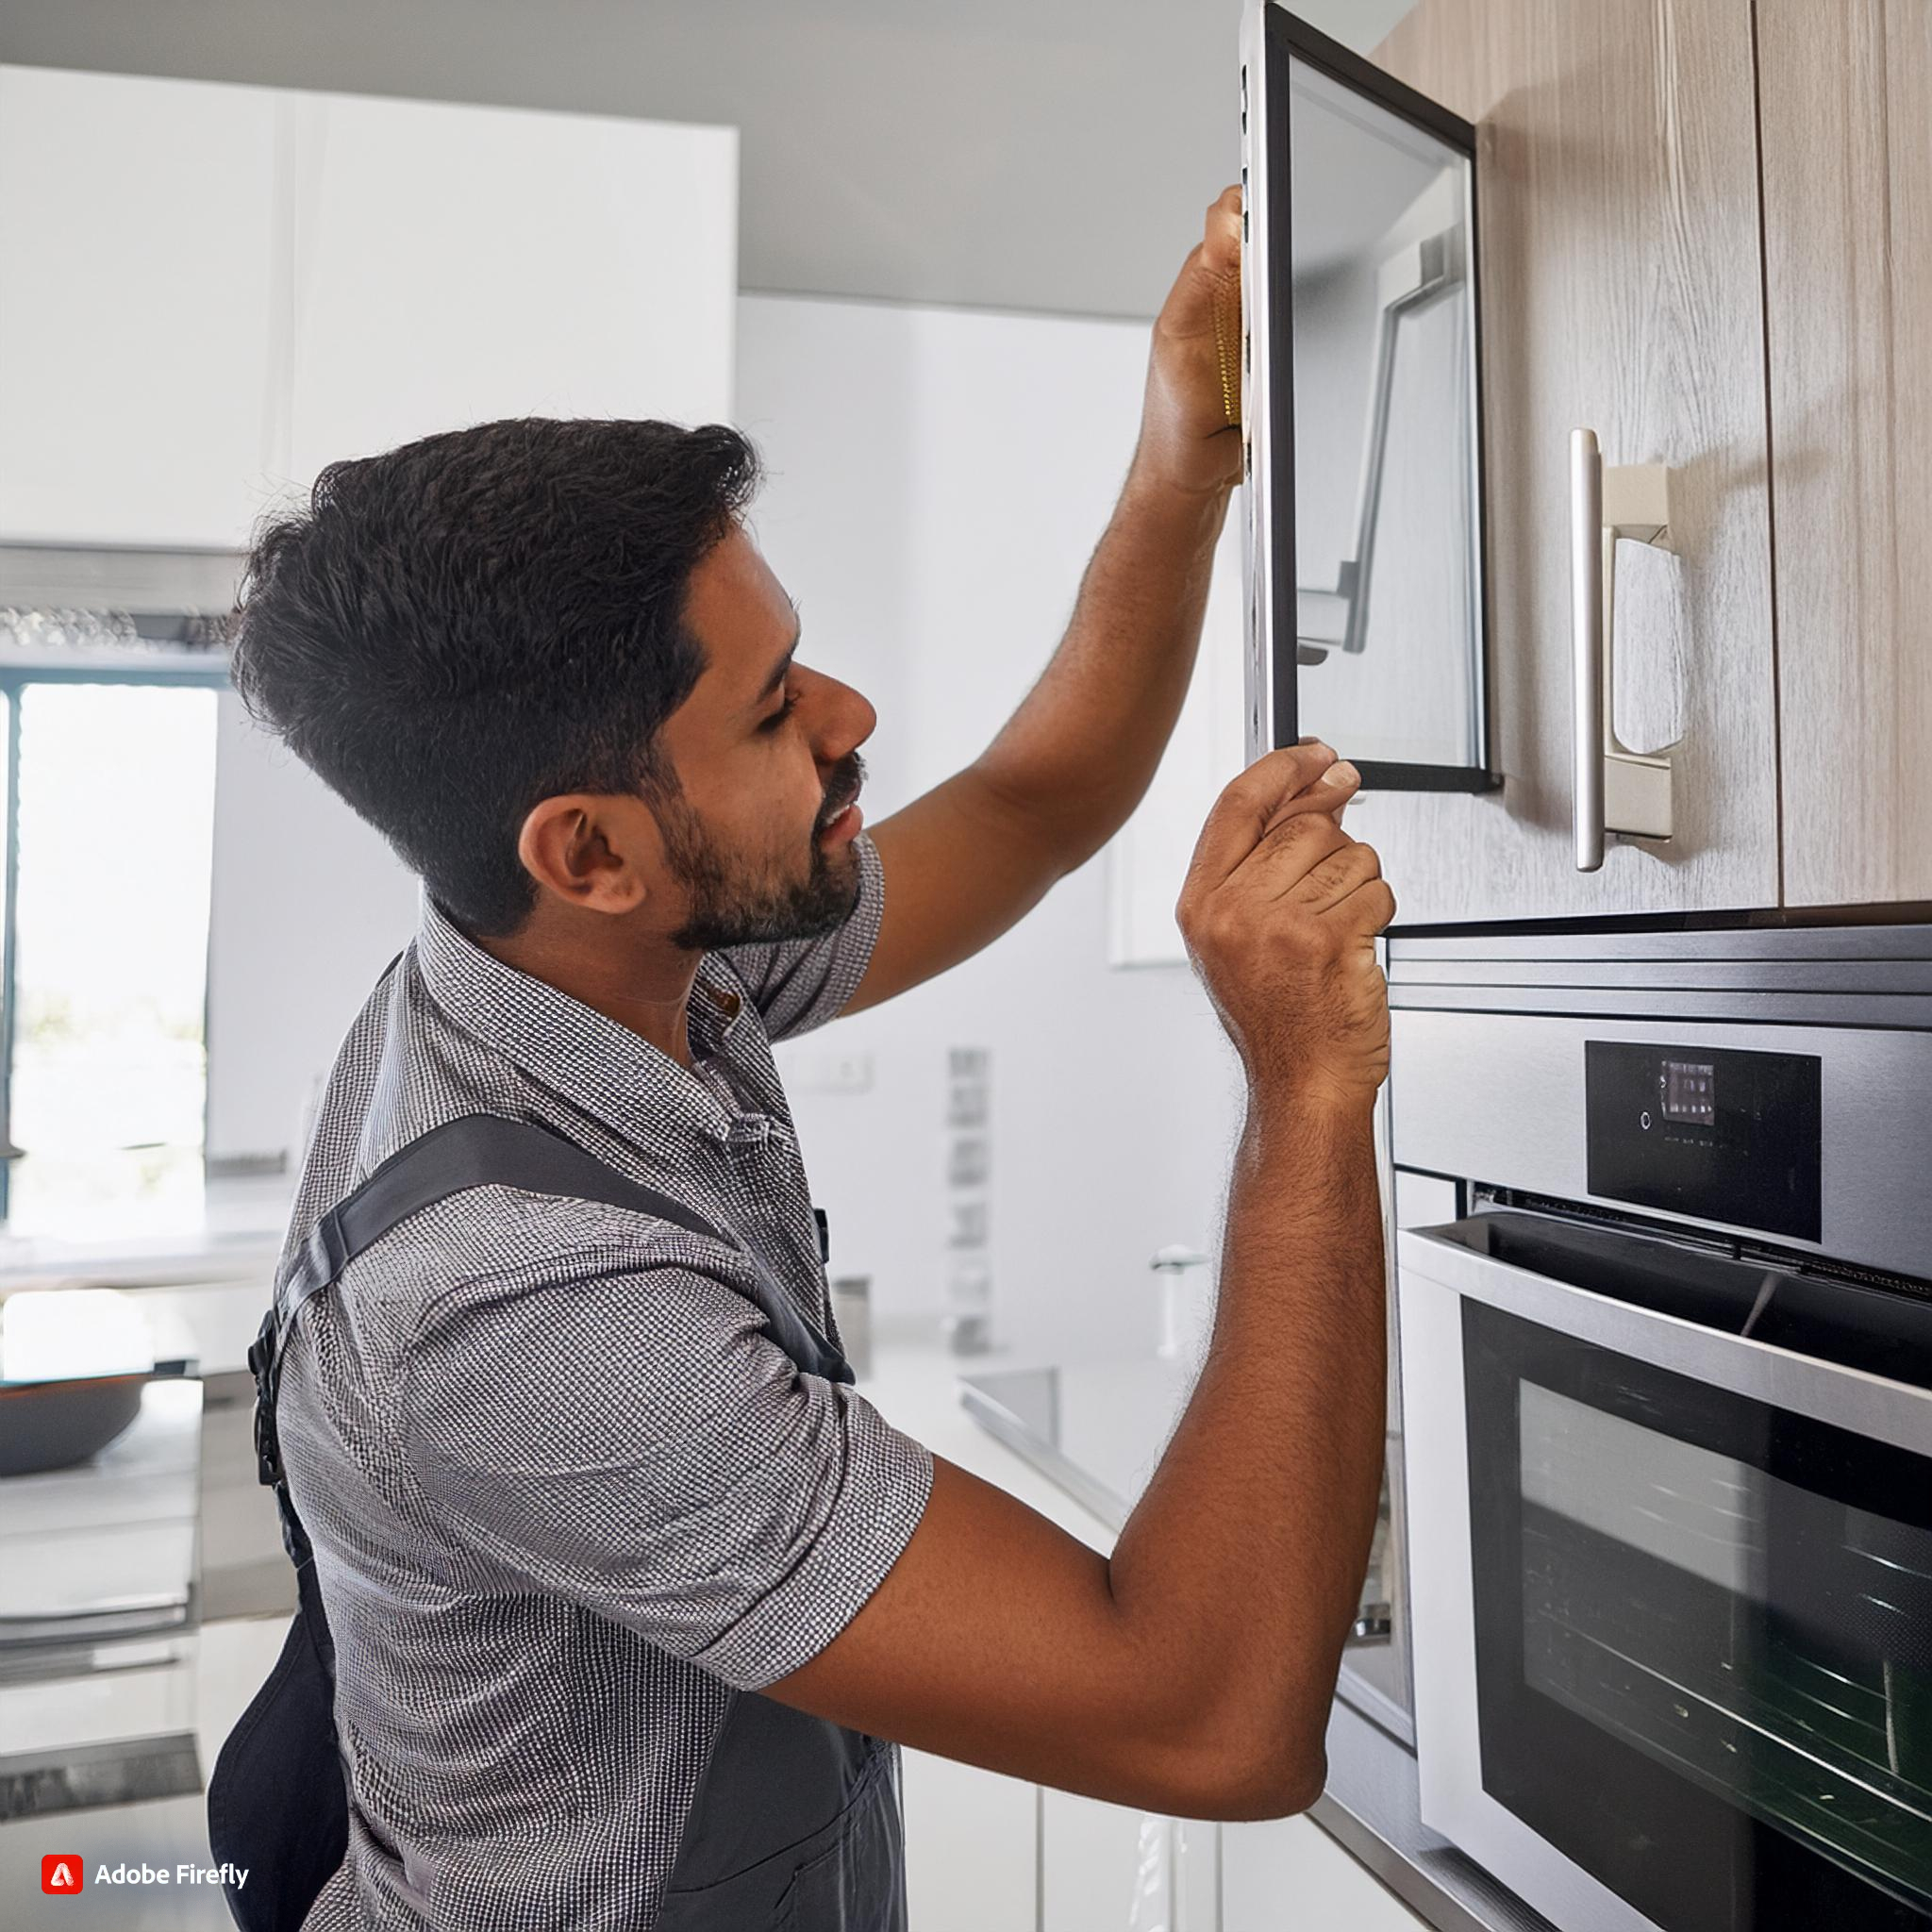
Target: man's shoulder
(405, 1070)
(495, 1274)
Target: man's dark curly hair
(473, 622)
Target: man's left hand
(1187, 440)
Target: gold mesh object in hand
(1227, 345)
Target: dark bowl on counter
(46, 1426)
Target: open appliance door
(1362, 415)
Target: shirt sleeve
(633, 1440)
(799, 984)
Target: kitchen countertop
(236, 1232)
(208, 1325)
(109, 1545)
(1371, 1805)
(99, 1669)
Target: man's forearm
(1082, 748)
(1253, 1535)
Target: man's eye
(780, 716)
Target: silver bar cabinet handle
(1587, 646)
(1614, 789)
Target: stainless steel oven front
(1667, 1401)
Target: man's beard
(728, 910)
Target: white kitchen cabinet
(1197, 1876)
(454, 264)
(1089, 1855)
(1288, 1876)
(972, 1847)
(1620, 290)
(138, 322)
(213, 291)
(1107, 1868)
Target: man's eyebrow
(778, 671)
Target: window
(109, 784)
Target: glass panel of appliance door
(1366, 598)
(1703, 1639)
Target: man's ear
(595, 851)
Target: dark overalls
(795, 1823)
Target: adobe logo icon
(62, 1873)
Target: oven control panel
(1707, 1131)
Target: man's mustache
(843, 789)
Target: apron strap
(476, 1151)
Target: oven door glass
(1365, 614)
(1703, 1621)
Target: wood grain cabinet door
(1846, 93)
(1621, 291)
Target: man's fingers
(1370, 908)
(1290, 850)
(1332, 879)
(1328, 794)
(1248, 804)
(1221, 244)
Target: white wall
(938, 479)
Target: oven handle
(1428, 1261)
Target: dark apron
(796, 1825)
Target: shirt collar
(581, 1054)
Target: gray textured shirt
(565, 1492)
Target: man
(626, 1586)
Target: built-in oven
(1666, 1368)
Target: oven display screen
(1721, 1132)
(1690, 1091)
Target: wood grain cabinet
(1620, 290)
(1846, 93)
(1704, 230)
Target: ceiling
(1017, 154)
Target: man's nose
(847, 720)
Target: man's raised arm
(967, 860)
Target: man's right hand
(1280, 913)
